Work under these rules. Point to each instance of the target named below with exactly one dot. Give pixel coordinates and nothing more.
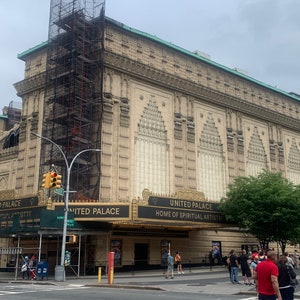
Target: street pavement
(203, 280)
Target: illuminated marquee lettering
(18, 203)
(10, 204)
(9, 215)
(183, 204)
(190, 204)
(176, 214)
(106, 211)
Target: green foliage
(267, 205)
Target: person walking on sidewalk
(25, 268)
(266, 276)
(234, 265)
(284, 281)
(32, 267)
(178, 262)
(170, 269)
(246, 273)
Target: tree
(267, 205)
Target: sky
(260, 37)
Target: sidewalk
(198, 280)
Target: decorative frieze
(256, 108)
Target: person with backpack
(285, 276)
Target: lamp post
(58, 277)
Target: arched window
(151, 153)
(12, 139)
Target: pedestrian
(234, 265)
(284, 281)
(178, 262)
(261, 256)
(170, 269)
(266, 276)
(25, 267)
(32, 267)
(253, 266)
(246, 273)
(211, 258)
(227, 264)
(296, 256)
(290, 261)
(254, 253)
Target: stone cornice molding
(198, 91)
(30, 84)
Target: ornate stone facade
(172, 121)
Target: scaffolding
(73, 94)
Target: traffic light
(46, 180)
(55, 180)
(71, 239)
(58, 181)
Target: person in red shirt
(266, 277)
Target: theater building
(174, 129)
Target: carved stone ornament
(181, 194)
(7, 195)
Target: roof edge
(154, 38)
(202, 58)
(25, 53)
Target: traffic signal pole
(58, 275)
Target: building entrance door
(141, 255)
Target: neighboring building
(11, 116)
(174, 129)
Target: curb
(127, 286)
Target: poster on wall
(217, 251)
(165, 249)
(116, 247)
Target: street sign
(70, 223)
(59, 191)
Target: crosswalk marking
(23, 289)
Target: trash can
(42, 270)
(59, 273)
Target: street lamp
(67, 192)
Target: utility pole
(60, 270)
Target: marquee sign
(18, 203)
(23, 209)
(98, 211)
(186, 215)
(186, 206)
